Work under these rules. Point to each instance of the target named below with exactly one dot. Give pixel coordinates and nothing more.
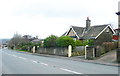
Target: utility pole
(118, 32)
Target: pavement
(81, 59)
(102, 60)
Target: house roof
(36, 40)
(64, 33)
(78, 30)
(93, 32)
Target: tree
(15, 41)
(65, 41)
(50, 41)
(18, 41)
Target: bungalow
(99, 33)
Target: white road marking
(34, 61)
(10, 54)
(22, 58)
(70, 71)
(14, 55)
(44, 64)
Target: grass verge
(22, 50)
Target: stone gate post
(69, 50)
(33, 49)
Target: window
(107, 30)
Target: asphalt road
(23, 63)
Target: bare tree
(17, 40)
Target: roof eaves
(68, 30)
(101, 32)
(71, 27)
(75, 33)
(111, 29)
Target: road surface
(23, 63)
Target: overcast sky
(46, 17)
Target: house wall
(71, 33)
(104, 37)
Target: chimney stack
(88, 23)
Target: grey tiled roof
(36, 40)
(94, 31)
(79, 30)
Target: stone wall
(53, 51)
(92, 52)
(79, 48)
(99, 50)
(63, 51)
(89, 52)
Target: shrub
(50, 41)
(90, 42)
(103, 51)
(78, 43)
(108, 46)
(84, 43)
(65, 41)
(25, 47)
